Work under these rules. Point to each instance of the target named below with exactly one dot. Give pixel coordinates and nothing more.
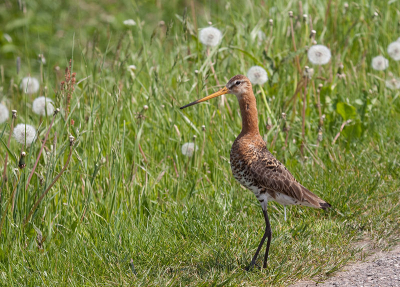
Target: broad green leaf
(346, 111)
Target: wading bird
(255, 167)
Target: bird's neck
(249, 114)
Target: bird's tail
(314, 200)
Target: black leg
(253, 261)
(267, 233)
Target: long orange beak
(221, 92)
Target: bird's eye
(237, 83)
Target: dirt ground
(380, 269)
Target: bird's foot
(251, 266)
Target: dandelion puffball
(319, 54)
(380, 63)
(42, 105)
(257, 75)
(393, 84)
(3, 113)
(29, 85)
(130, 22)
(22, 132)
(131, 68)
(394, 50)
(188, 149)
(210, 36)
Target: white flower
(131, 68)
(41, 105)
(29, 85)
(319, 54)
(22, 132)
(393, 84)
(394, 50)
(210, 36)
(188, 149)
(3, 113)
(130, 22)
(257, 75)
(380, 63)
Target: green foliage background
(131, 209)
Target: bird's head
(239, 86)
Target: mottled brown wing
(274, 176)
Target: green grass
(116, 218)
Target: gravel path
(381, 269)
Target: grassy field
(130, 209)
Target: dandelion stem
(267, 105)
(142, 152)
(202, 147)
(6, 156)
(294, 45)
(303, 115)
(48, 188)
(8, 204)
(341, 129)
(269, 42)
(223, 98)
(40, 152)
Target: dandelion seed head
(380, 63)
(319, 54)
(393, 84)
(188, 149)
(210, 36)
(4, 114)
(29, 85)
(394, 50)
(129, 22)
(42, 59)
(308, 72)
(132, 68)
(22, 131)
(42, 105)
(257, 75)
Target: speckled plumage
(255, 167)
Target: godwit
(255, 167)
